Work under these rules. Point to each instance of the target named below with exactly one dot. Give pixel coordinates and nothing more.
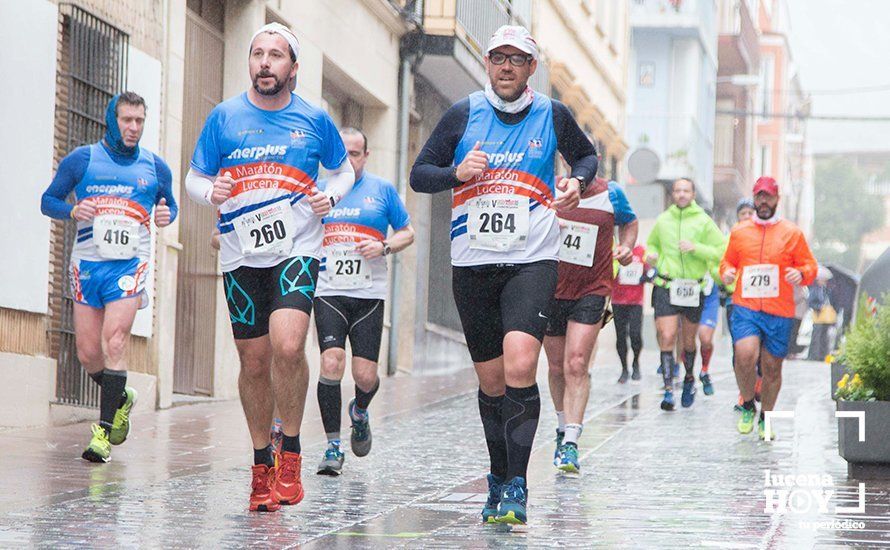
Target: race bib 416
(116, 237)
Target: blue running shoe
(667, 404)
(706, 386)
(688, 397)
(568, 458)
(360, 440)
(514, 496)
(332, 462)
(490, 511)
(559, 436)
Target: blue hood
(112, 133)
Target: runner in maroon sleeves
(575, 316)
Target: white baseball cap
(516, 36)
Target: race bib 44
(577, 243)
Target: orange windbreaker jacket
(781, 243)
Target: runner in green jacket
(683, 244)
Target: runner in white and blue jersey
(349, 302)
(116, 185)
(257, 160)
(495, 151)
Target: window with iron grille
(92, 67)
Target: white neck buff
(772, 221)
(524, 100)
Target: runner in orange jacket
(768, 256)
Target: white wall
(27, 109)
(144, 78)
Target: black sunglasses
(517, 59)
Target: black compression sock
(331, 405)
(113, 384)
(363, 398)
(522, 408)
(290, 444)
(490, 410)
(667, 368)
(689, 363)
(264, 456)
(749, 405)
(97, 377)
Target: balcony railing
(480, 18)
(675, 14)
(474, 21)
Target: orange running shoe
(288, 487)
(261, 499)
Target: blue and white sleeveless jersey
(504, 215)
(124, 194)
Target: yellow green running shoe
(761, 431)
(120, 428)
(99, 449)
(746, 422)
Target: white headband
(282, 31)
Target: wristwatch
(583, 183)
(386, 248)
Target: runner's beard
(770, 212)
(279, 85)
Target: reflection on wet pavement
(650, 479)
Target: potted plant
(838, 370)
(866, 353)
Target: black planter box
(869, 458)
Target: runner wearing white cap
(495, 151)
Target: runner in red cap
(769, 256)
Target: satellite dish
(643, 164)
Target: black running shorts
(587, 310)
(253, 293)
(359, 319)
(661, 301)
(493, 300)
